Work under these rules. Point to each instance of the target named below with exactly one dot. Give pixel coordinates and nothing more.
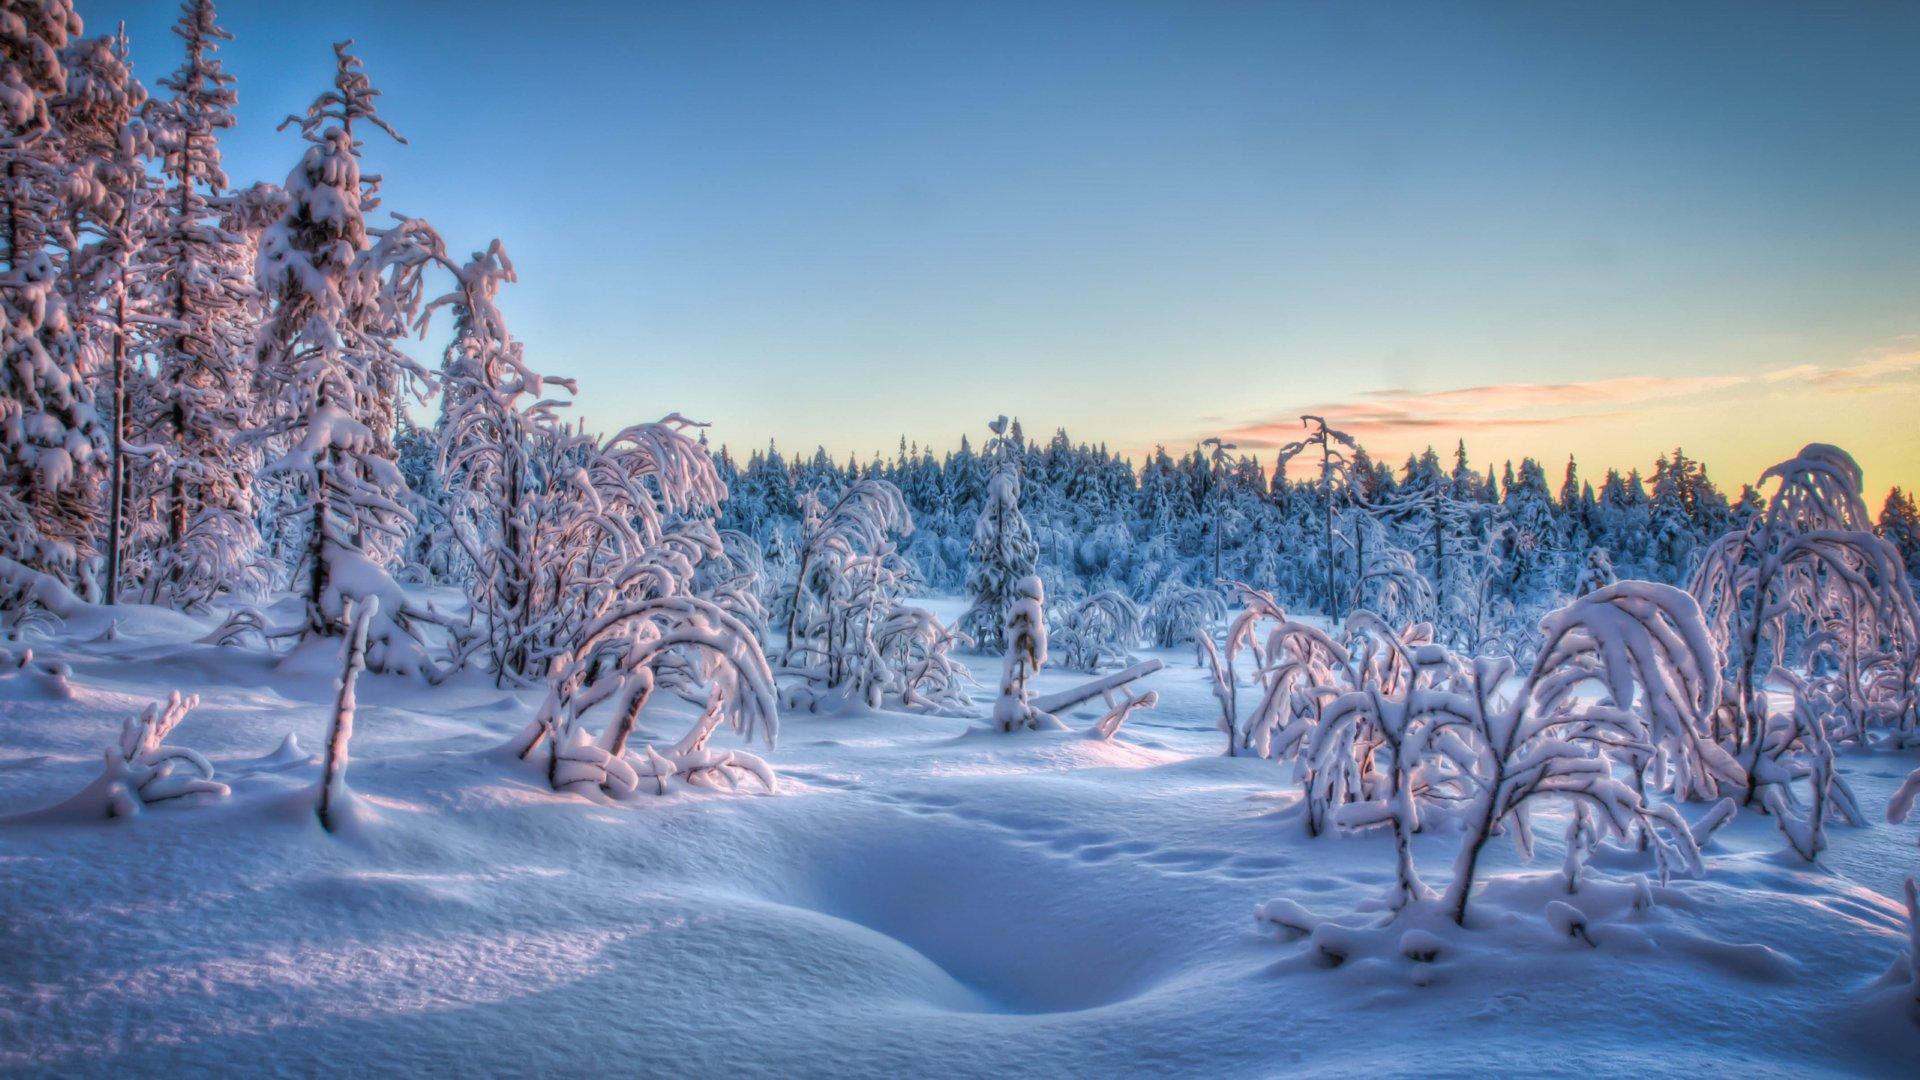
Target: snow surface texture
(922, 896)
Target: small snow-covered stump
(353, 661)
(21, 675)
(142, 769)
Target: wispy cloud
(1401, 416)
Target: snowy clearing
(920, 895)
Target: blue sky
(1549, 228)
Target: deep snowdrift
(920, 895)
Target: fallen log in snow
(1067, 699)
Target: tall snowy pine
(1003, 551)
(341, 294)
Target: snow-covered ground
(920, 896)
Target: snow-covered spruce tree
(341, 294)
(1597, 574)
(52, 436)
(334, 795)
(202, 282)
(1026, 637)
(1003, 552)
(1810, 562)
(493, 431)
(1645, 648)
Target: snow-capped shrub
(1097, 629)
(917, 653)
(1799, 748)
(1644, 648)
(142, 769)
(1367, 747)
(503, 456)
(1810, 563)
(1181, 614)
(621, 657)
(1304, 667)
(1597, 574)
(1220, 684)
(856, 524)
(850, 580)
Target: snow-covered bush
(917, 652)
(1810, 563)
(1098, 629)
(850, 580)
(624, 654)
(1304, 668)
(1182, 614)
(857, 523)
(1366, 764)
(1644, 649)
(1597, 574)
(142, 769)
(498, 447)
(1799, 748)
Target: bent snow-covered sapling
(353, 660)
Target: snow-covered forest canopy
(502, 725)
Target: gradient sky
(1602, 229)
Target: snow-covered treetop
(1819, 489)
(351, 98)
